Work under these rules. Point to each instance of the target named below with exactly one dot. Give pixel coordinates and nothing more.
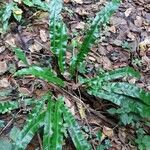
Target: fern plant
(50, 112)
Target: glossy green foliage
(101, 18)
(58, 33)
(52, 117)
(11, 105)
(143, 142)
(130, 97)
(43, 73)
(113, 75)
(53, 124)
(6, 15)
(33, 123)
(75, 132)
(21, 55)
(40, 5)
(128, 90)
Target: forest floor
(125, 42)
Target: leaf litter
(129, 24)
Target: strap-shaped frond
(33, 123)
(112, 75)
(75, 131)
(43, 73)
(123, 101)
(53, 135)
(58, 33)
(128, 90)
(6, 15)
(21, 55)
(101, 18)
(11, 105)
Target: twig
(40, 141)
(9, 123)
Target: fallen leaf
(24, 91)
(2, 49)
(112, 29)
(3, 67)
(43, 35)
(138, 22)
(131, 36)
(81, 110)
(10, 41)
(108, 132)
(106, 63)
(81, 11)
(35, 47)
(80, 25)
(78, 1)
(128, 12)
(4, 83)
(143, 45)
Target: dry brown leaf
(24, 91)
(35, 47)
(4, 83)
(2, 49)
(78, 1)
(143, 45)
(3, 67)
(81, 110)
(43, 35)
(80, 25)
(138, 22)
(106, 63)
(128, 12)
(108, 132)
(10, 41)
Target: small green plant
(50, 112)
(13, 8)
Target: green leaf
(131, 104)
(101, 18)
(14, 133)
(55, 10)
(6, 15)
(48, 123)
(75, 131)
(28, 3)
(5, 144)
(58, 33)
(11, 105)
(113, 75)
(17, 12)
(53, 135)
(28, 131)
(33, 123)
(128, 90)
(41, 5)
(126, 119)
(21, 55)
(43, 73)
(143, 142)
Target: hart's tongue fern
(101, 18)
(52, 114)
